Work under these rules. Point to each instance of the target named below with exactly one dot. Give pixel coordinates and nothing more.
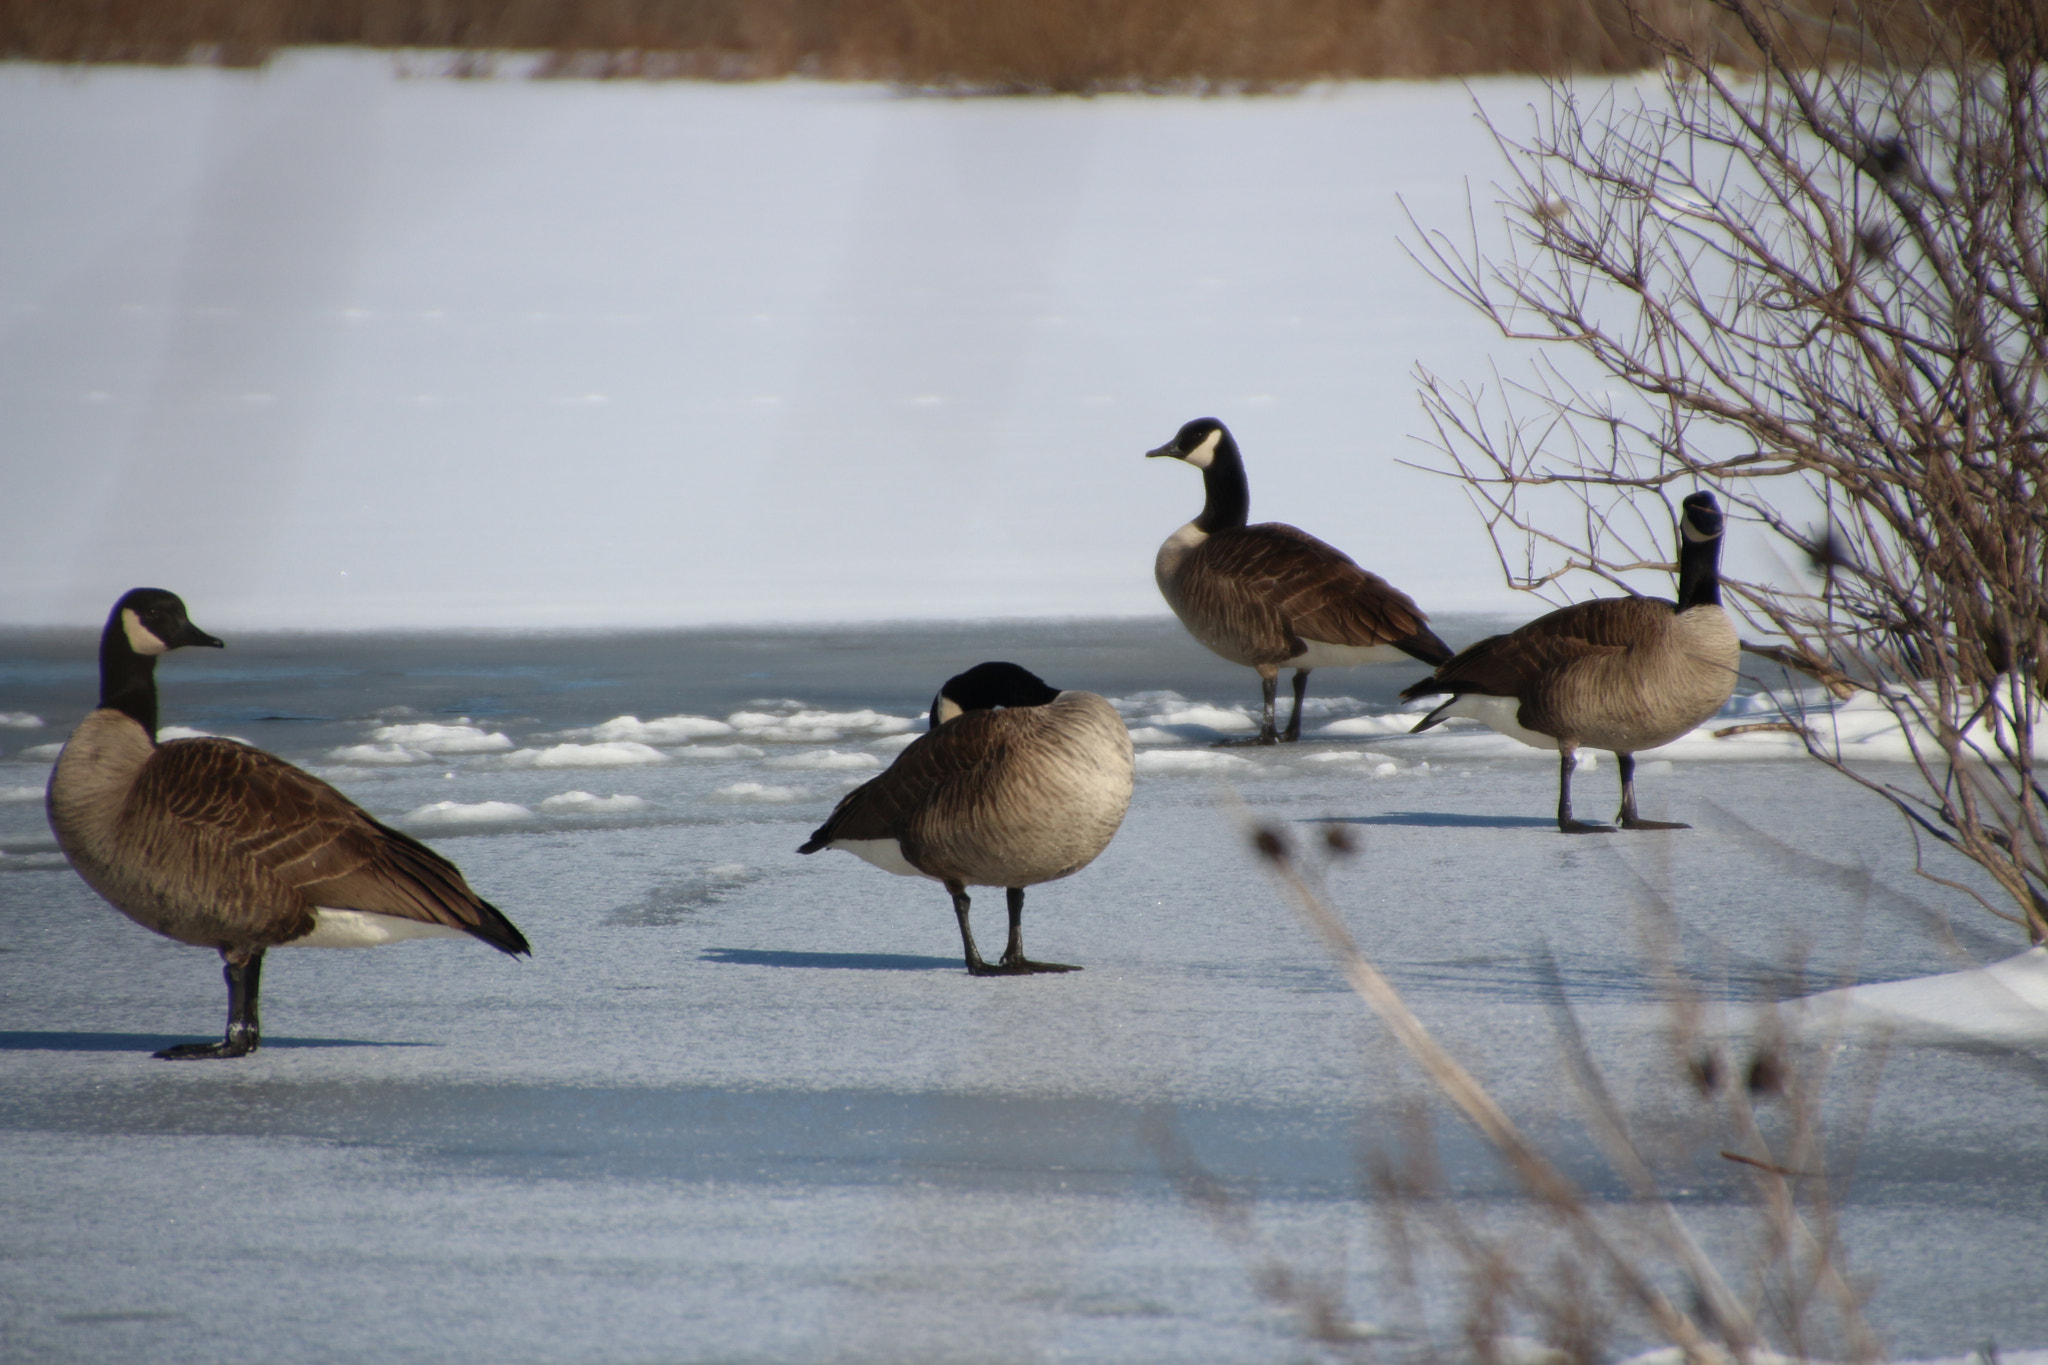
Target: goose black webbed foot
(1240, 741)
(195, 1052)
(1022, 966)
(1630, 822)
(1569, 826)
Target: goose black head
(987, 686)
(153, 621)
(1699, 518)
(1197, 442)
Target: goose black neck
(127, 679)
(1229, 496)
(1699, 572)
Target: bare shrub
(1819, 286)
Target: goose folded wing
(258, 809)
(884, 806)
(1317, 589)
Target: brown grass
(997, 46)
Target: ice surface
(743, 1104)
(18, 793)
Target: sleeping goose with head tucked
(1015, 784)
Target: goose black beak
(1168, 449)
(193, 635)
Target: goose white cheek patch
(139, 637)
(1205, 453)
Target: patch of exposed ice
(429, 738)
(467, 813)
(759, 793)
(623, 753)
(589, 803)
(20, 720)
(662, 730)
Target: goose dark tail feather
(1424, 645)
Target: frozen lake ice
(745, 1105)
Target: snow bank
(819, 759)
(377, 755)
(19, 720)
(472, 813)
(758, 793)
(429, 738)
(617, 754)
(2005, 1003)
(663, 730)
(13, 794)
(718, 753)
(814, 727)
(588, 803)
(1192, 761)
(1396, 723)
(1205, 717)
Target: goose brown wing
(1319, 592)
(256, 811)
(1505, 665)
(884, 807)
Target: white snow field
(743, 1105)
(563, 353)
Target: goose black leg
(1293, 734)
(1269, 685)
(975, 965)
(1013, 953)
(1567, 759)
(1628, 819)
(244, 1033)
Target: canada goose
(1011, 798)
(220, 845)
(1273, 596)
(1617, 673)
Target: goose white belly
(1502, 714)
(365, 929)
(886, 854)
(1323, 654)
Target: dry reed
(988, 46)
